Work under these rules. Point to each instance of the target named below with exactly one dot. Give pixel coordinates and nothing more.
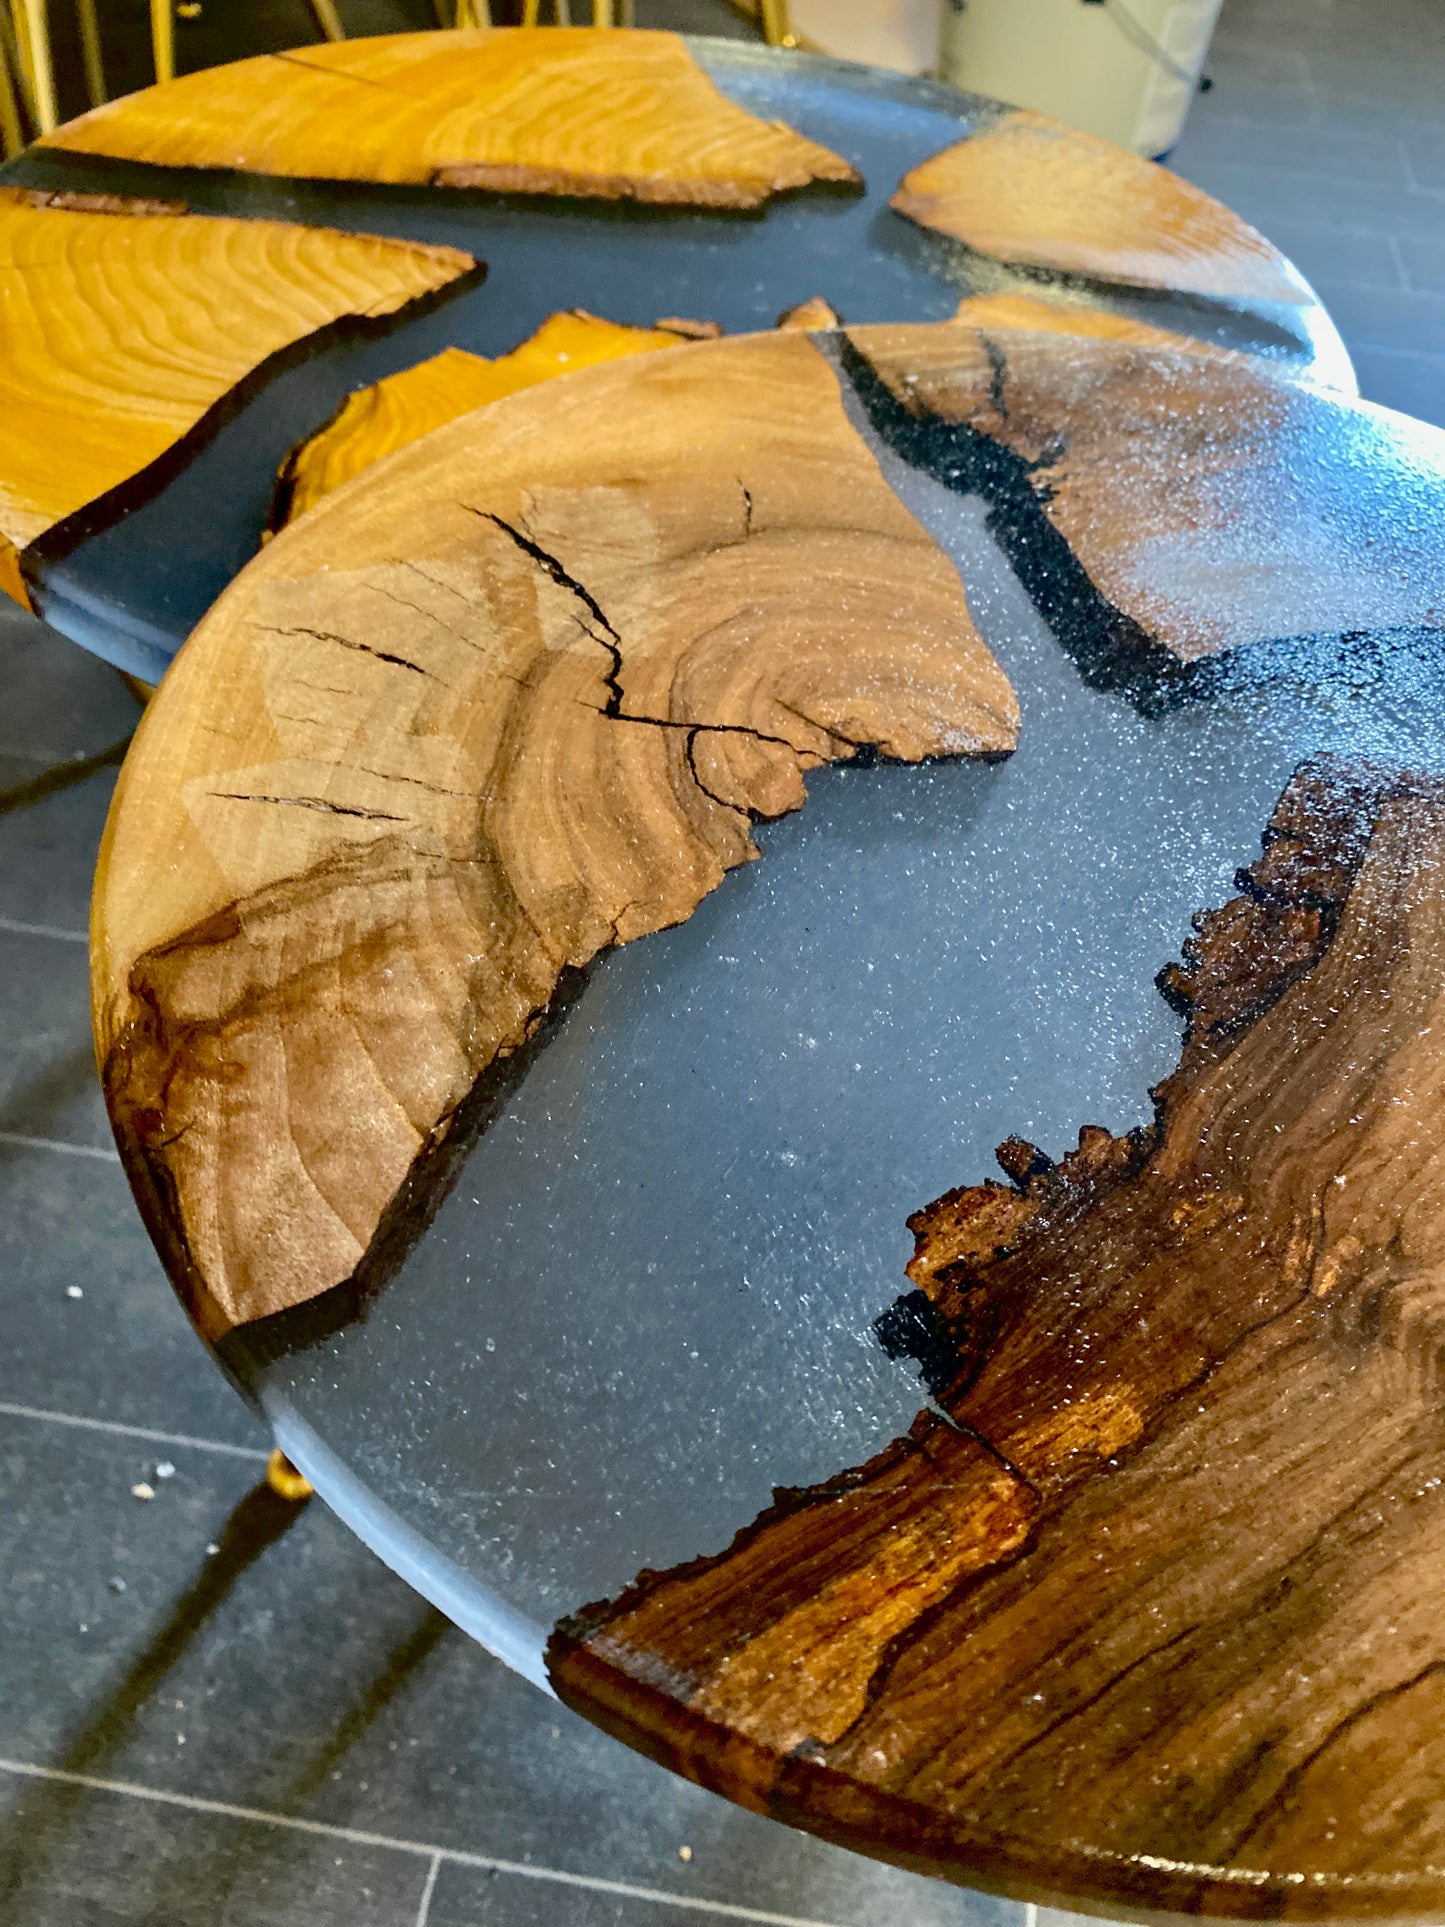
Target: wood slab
(125, 322)
(1056, 314)
(511, 697)
(810, 315)
(1193, 506)
(1030, 191)
(1146, 1612)
(575, 111)
(12, 582)
(378, 419)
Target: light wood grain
(813, 313)
(1056, 315)
(125, 322)
(1035, 193)
(511, 697)
(1209, 505)
(520, 110)
(376, 420)
(1152, 1619)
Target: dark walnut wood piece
(513, 696)
(1154, 1616)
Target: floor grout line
(13, 927)
(117, 1429)
(428, 1890)
(27, 1143)
(361, 1837)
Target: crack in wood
(414, 962)
(321, 803)
(348, 642)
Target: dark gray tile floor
(1325, 126)
(215, 1708)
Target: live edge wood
(573, 111)
(1206, 505)
(12, 582)
(1030, 191)
(376, 420)
(1153, 1618)
(124, 322)
(513, 696)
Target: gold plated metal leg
(163, 39)
(142, 691)
(530, 11)
(284, 1480)
(328, 19)
(33, 32)
(17, 45)
(777, 23)
(627, 13)
(602, 13)
(11, 137)
(91, 53)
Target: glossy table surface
(651, 1298)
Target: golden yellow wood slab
(1035, 193)
(511, 697)
(122, 327)
(376, 420)
(528, 110)
(12, 582)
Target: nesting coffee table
(594, 894)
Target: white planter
(889, 33)
(1126, 69)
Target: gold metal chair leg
(777, 23)
(90, 52)
(33, 32)
(474, 13)
(328, 19)
(17, 43)
(163, 39)
(602, 13)
(564, 13)
(142, 691)
(12, 139)
(530, 11)
(284, 1480)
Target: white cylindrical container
(1126, 69)
(888, 33)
